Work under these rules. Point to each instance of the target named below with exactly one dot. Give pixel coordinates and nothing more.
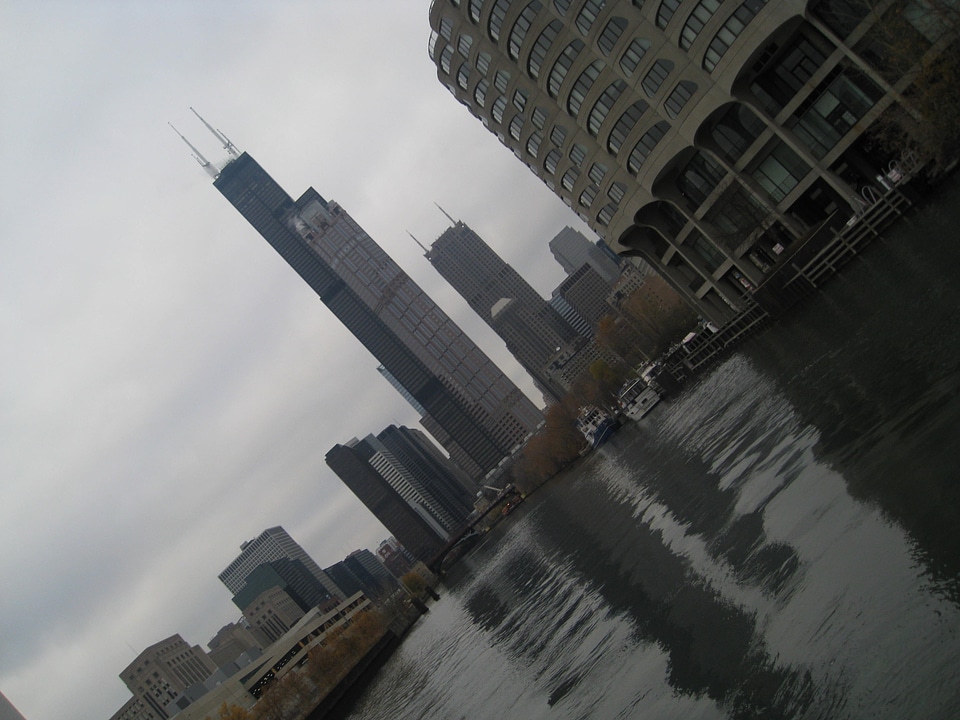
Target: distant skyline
(165, 381)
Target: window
(587, 196)
(539, 118)
(496, 112)
(446, 57)
(655, 77)
(646, 145)
(699, 178)
(780, 172)
(606, 214)
(617, 191)
(560, 68)
(588, 15)
(577, 154)
(483, 63)
(597, 171)
(602, 107)
(446, 28)
(533, 143)
(515, 126)
(569, 178)
(829, 114)
(463, 76)
(501, 80)
(497, 15)
(633, 55)
(679, 97)
(463, 45)
(611, 33)
(521, 27)
(542, 46)
(736, 130)
(730, 31)
(582, 86)
(475, 8)
(696, 21)
(708, 252)
(480, 92)
(558, 135)
(520, 100)
(624, 125)
(551, 161)
(666, 11)
(562, 6)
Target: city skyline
(140, 330)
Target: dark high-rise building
(532, 329)
(587, 291)
(438, 480)
(363, 572)
(291, 576)
(472, 408)
(410, 522)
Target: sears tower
(469, 406)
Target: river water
(780, 540)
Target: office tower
(438, 480)
(534, 332)
(472, 408)
(587, 293)
(163, 672)
(272, 544)
(713, 139)
(360, 571)
(410, 522)
(572, 250)
(291, 576)
(231, 642)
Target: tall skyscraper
(272, 544)
(711, 138)
(472, 408)
(532, 329)
(410, 522)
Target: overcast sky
(169, 385)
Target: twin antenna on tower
(231, 149)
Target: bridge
(469, 531)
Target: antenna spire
(198, 156)
(445, 213)
(227, 145)
(418, 242)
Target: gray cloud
(169, 387)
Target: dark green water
(779, 541)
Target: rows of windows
(666, 11)
(624, 125)
(495, 23)
(603, 105)
(562, 66)
(730, 31)
(698, 18)
(521, 27)
(582, 86)
(611, 34)
(656, 76)
(588, 15)
(542, 46)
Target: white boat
(636, 399)
(596, 425)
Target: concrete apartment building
(711, 138)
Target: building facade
(713, 139)
(162, 673)
(472, 408)
(533, 331)
(272, 544)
